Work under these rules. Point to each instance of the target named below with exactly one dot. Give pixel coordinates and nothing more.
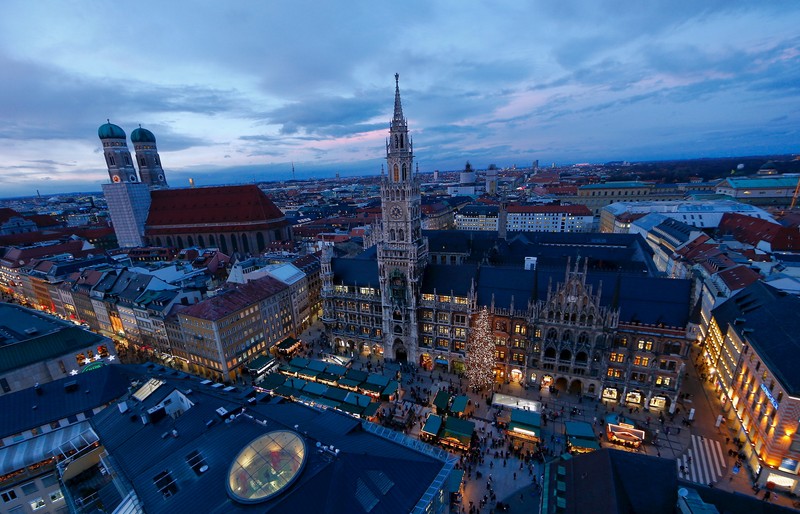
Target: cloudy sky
(237, 91)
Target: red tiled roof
(235, 299)
(234, 205)
(738, 277)
(575, 210)
(754, 230)
(7, 213)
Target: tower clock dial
(396, 212)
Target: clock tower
(402, 251)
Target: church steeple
(399, 151)
(398, 118)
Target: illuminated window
(617, 357)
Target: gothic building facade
(577, 312)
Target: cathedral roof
(110, 131)
(228, 207)
(142, 135)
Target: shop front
(547, 381)
(659, 402)
(441, 364)
(459, 367)
(634, 398)
(426, 362)
(610, 394)
(524, 428)
(516, 375)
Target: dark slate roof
(769, 321)
(443, 279)
(610, 481)
(503, 284)
(357, 271)
(610, 252)
(63, 398)
(367, 469)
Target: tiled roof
(738, 277)
(235, 299)
(199, 206)
(752, 230)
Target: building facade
(549, 218)
(750, 357)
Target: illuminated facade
(751, 356)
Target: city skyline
(236, 94)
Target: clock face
(396, 212)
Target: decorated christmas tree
(480, 353)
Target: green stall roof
(433, 425)
(460, 404)
(579, 429)
(442, 400)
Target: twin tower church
(145, 211)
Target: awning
(443, 362)
(459, 405)
(287, 344)
(579, 429)
(442, 400)
(260, 364)
(390, 389)
(31, 451)
(588, 444)
(526, 417)
(524, 431)
(459, 429)
(432, 425)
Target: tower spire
(398, 107)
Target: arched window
(550, 353)
(581, 357)
(552, 334)
(158, 241)
(396, 173)
(391, 235)
(401, 235)
(260, 241)
(245, 243)
(566, 336)
(583, 337)
(395, 141)
(201, 241)
(211, 240)
(565, 355)
(189, 241)
(405, 171)
(179, 241)
(401, 140)
(223, 243)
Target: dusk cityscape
(424, 258)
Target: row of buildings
(185, 310)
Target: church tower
(118, 157)
(402, 251)
(128, 199)
(150, 170)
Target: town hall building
(583, 313)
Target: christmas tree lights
(480, 353)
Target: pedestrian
(515, 475)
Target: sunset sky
(237, 91)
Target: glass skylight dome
(266, 466)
